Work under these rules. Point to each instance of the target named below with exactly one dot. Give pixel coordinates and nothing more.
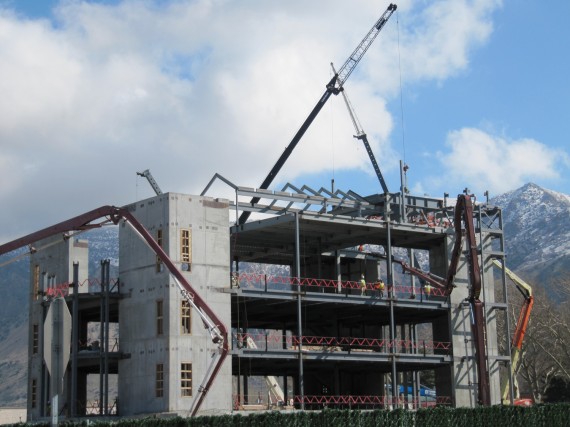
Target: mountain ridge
(536, 227)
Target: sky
(468, 93)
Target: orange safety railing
(94, 285)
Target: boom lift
(361, 135)
(520, 329)
(151, 181)
(212, 323)
(334, 86)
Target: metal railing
(267, 282)
(315, 402)
(274, 341)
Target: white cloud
(484, 161)
(190, 88)
(432, 42)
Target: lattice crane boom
(333, 87)
(350, 64)
(361, 135)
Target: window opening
(186, 316)
(186, 379)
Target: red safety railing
(274, 341)
(93, 285)
(386, 401)
(271, 282)
(241, 402)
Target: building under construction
(294, 299)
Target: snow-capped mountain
(537, 230)
(103, 244)
(14, 290)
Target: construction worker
(380, 287)
(234, 280)
(362, 285)
(427, 290)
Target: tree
(558, 391)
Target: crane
(361, 135)
(146, 173)
(520, 329)
(334, 86)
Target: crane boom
(432, 279)
(331, 88)
(361, 135)
(151, 181)
(522, 323)
(348, 67)
(464, 211)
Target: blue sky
(516, 86)
(95, 91)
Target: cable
(401, 94)
(332, 136)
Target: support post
(101, 339)
(74, 339)
(245, 390)
(106, 341)
(338, 271)
(299, 309)
(403, 185)
(390, 285)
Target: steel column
(482, 272)
(101, 340)
(74, 339)
(402, 204)
(299, 307)
(391, 298)
(106, 345)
